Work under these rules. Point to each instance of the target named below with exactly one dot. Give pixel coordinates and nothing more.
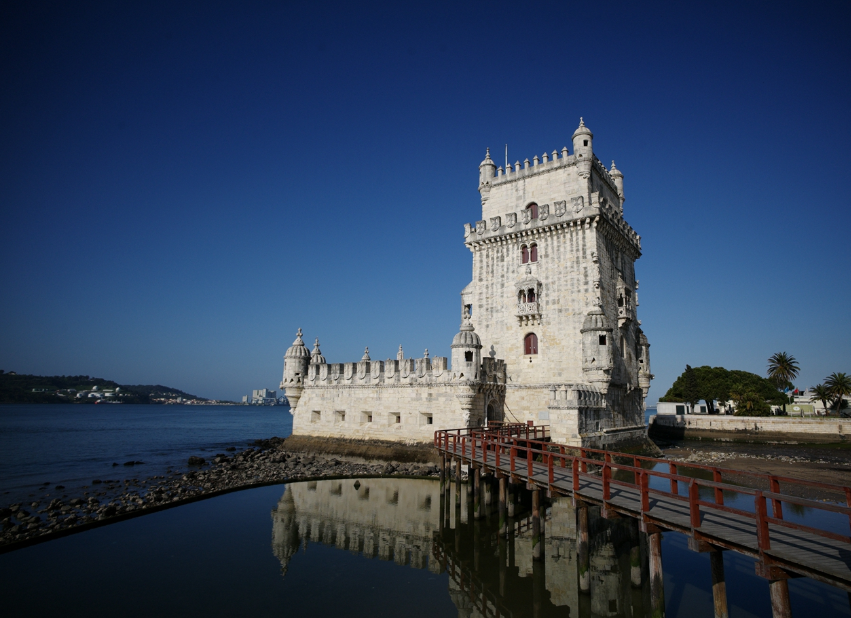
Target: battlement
(563, 214)
(411, 371)
(535, 166)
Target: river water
(73, 444)
(372, 548)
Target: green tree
(822, 393)
(782, 369)
(717, 384)
(691, 389)
(839, 385)
(749, 403)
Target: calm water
(74, 444)
(383, 548)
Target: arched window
(530, 344)
(524, 252)
(530, 295)
(522, 297)
(533, 253)
(533, 207)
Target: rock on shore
(271, 461)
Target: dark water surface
(383, 547)
(72, 444)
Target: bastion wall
(749, 428)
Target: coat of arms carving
(544, 212)
(496, 223)
(561, 208)
(578, 203)
(511, 219)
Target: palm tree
(839, 386)
(822, 393)
(782, 369)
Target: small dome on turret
(297, 349)
(365, 356)
(467, 337)
(615, 172)
(595, 320)
(316, 357)
(488, 160)
(582, 130)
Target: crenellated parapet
(560, 217)
(546, 163)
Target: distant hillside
(24, 388)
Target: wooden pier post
(719, 586)
(488, 492)
(537, 549)
(657, 579)
(469, 479)
(779, 590)
(443, 483)
(458, 478)
(477, 493)
(512, 498)
(503, 522)
(583, 550)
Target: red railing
(518, 442)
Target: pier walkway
(626, 485)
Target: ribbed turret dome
(297, 349)
(582, 129)
(615, 172)
(595, 320)
(488, 160)
(467, 337)
(316, 357)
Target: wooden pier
(620, 484)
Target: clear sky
(184, 184)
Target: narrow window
(533, 253)
(530, 296)
(468, 356)
(585, 142)
(469, 311)
(623, 347)
(524, 251)
(602, 340)
(620, 301)
(533, 208)
(429, 420)
(530, 344)
(523, 296)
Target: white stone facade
(552, 302)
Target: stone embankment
(106, 501)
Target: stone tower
(554, 293)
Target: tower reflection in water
(414, 524)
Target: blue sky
(184, 184)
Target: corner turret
(466, 350)
(617, 176)
(487, 171)
(296, 361)
(583, 148)
(597, 357)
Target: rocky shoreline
(105, 501)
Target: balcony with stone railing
(529, 313)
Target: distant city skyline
(183, 186)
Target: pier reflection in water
(603, 573)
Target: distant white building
(263, 397)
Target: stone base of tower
(581, 415)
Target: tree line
(751, 394)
